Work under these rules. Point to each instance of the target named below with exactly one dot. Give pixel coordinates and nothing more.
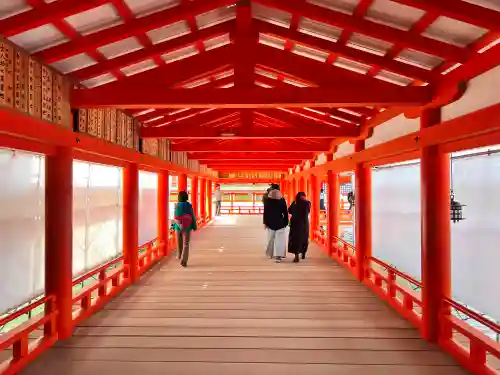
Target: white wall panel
(396, 217)
(482, 92)
(22, 222)
(475, 249)
(148, 206)
(392, 129)
(97, 215)
(344, 149)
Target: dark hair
(300, 196)
(275, 187)
(183, 196)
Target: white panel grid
(148, 207)
(22, 223)
(310, 53)
(351, 65)
(141, 8)
(215, 17)
(73, 63)
(343, 6)
(120, 48)
(454, 32)
(419, 59)
(180, 54)
(95, 19)
(272, 41)
(393, 14)
(396, 218)
(271, 15)
(12, 7)
(99, 80)
(475, 255)
(169, 32)
(38, 39)
(368, 44)
(319, 29)
(139, 67)
(219, 41)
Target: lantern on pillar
(456, 211)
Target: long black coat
(298, 239)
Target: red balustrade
(18, 339)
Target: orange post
(131, 219)
(363, 213)
(209, 199)
(194, 195)
(182, 183)
(333, 209)
(203, 199)
(163, 211)
(59, 236)
(314, 191)
(435, 201)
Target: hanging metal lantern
(456, 211)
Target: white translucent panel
(22, 223)
(392, 129)
(97, 215)
(148, 206)
(38, 39)
(396, 217)
(482, 92)
(475, 253)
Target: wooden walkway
(233, 311)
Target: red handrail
(25, 310)
(95, 271)
(474, 315)
(396, 271)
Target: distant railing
(91, 292)
(241, 210)
(17, 340)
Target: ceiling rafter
(239, 145)
(294, 156)
(151, 51)
(370, 28)
(133, 27)
(350, 53)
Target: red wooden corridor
(234, 310)
(110, 108)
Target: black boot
(296, 259)
(303, 255)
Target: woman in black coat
(298, 240)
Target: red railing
(395, 287)
(473, 349)
(238, 210)
(107, 281)
(18, 339)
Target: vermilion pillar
(302, 185)
(363, 213)
(209, 198)
(163, 211)
(182, 182)
(194, 195)
(59, 236)
(203, 199)
(435, 201)
(333, 209)
(131, 219)
(314, 189)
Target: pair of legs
(217, 208)
(183, 238)
(276, 246)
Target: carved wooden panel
(34, 88)
(57, 97)
(100, 123)
(21, 82)
(136, 135)
(67, 117)
(82, 120)
(6, 75)
(92, 122)
(47, 80)
(119, 133)
(130, 132)
(114, 128)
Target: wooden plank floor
(233, 311)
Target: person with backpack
(185, 222)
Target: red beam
(350, 53)
(250, 168)
(45, 14)
(200, 118)
(244, 39)
(239, 145)
(205, 157)
(459, 10)
(219, 163)
(134, 27)
(142, 96)
(150, 51)
(370, 28)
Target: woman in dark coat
(298, 240)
